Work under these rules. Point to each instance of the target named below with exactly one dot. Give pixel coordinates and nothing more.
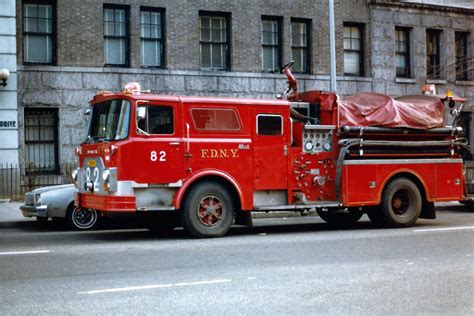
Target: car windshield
(109, 121)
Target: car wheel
(339, 218)
(208, 210)
(82, 218)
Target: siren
(132, 88)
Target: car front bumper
(34, 210)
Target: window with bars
(116, 38)
(214, 40)
(402, 52)
(271, 44)
(300, 42)
(151, 35)
(38, 32)
(462, 59)
(433, 54)
(353, 49)
(41, 139)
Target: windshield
(109, 121)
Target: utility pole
(332, 46)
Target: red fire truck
(206, 163)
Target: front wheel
(401, 204)
(208, 210)
(341, 218)
(82, 218)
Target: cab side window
(268, 124)
(158, 120)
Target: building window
(41, 139)
(271, 44)
(116, 41)
(300, 39)
(433, 51)
(402, 52)
(38, 32)
(214, 40)
(353, 49)
(462, 59)
(151, 34)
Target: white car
(57, 202)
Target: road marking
(32, 252)
(443, 229)
(154, 286)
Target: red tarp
(374, 109)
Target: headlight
(38, 198)
(74, 175)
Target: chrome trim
(400, 161)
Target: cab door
(158, 148)
(270, 151)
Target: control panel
(318, 138)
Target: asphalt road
(281, 266)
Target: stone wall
(79, 72)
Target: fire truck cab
(207, 162)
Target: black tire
(341, 218)
(82, 219)
(401, 204)
(208, 210)
(157, 223)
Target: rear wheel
(341, 218)
(401, 204)
(82, 218)
(208, 210)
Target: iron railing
(16, 180)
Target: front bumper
(34, 210)
(106, 203)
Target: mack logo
(242, 146)
(92, 163)
(219, 153)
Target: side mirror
(141, 113)
(87, 112)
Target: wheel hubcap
(210, 211)
(84, 217)
(400, 202)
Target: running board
(296, 207)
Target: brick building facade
(227, 48)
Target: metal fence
(16, 180)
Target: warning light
(132, 88)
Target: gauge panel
(318, 138)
